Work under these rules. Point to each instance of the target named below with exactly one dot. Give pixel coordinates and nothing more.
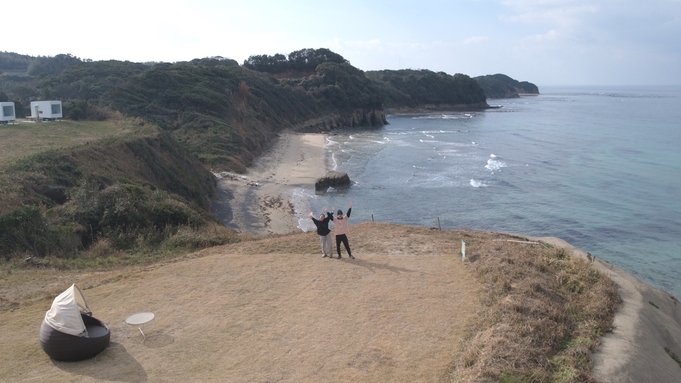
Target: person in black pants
(341, 230)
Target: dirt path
(235, 315)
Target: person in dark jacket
(323, 231)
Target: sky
(546, 42)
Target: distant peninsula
(425, 90)
(501, 86)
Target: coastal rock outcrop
(357, 118)
(332, 179)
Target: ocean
(599, 167)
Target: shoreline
(261, 202)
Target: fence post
(438, 224)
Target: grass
(27, 138)
(103, 255)
(538, 314)
(267, 309)
(147, 183)
(544, 313)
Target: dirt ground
(250, 313)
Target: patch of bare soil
(267, 310)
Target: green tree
(308, 59)
(51, 65)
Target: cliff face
(436, 108)
(357, 118)
(502, 86)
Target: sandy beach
(259, 202)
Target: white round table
(138, 319)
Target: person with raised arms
(323, 231)
(340, 223)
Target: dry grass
(27, 138)
(407, 309)
(543, 314)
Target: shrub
(23, 230)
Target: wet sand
(258, 202)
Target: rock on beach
(332, 179)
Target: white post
(463, 251)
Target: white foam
(334, 167)
(301, 200)
(495, 165)
(330, 142)
(477, 184)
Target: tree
(308, 59)
(269, 64)
(51, 65)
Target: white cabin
(46, 110)
(7, 112)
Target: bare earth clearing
(252, 313)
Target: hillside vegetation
(424, 89)
(138, 189)
(502, 86)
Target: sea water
(599, 167)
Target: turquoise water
(598, 167)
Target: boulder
(332, 179)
